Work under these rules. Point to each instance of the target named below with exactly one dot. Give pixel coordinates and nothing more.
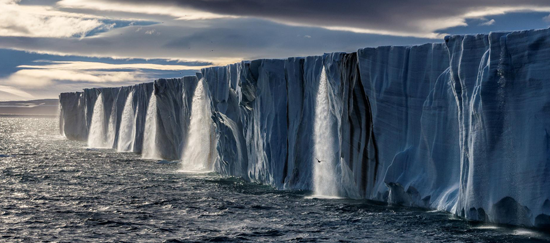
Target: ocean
(53, 189)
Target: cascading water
(324, 181)
(127, 133)
(198, 153)
(96, 138)
(150, 150)
(111, 129)
(60, 120)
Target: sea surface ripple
(56, 190)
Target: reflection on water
(57, 190)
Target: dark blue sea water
(52, 189)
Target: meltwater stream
(53, 189)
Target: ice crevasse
(461, 126)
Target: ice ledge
(461, 126)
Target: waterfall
(150, 132)
(111, 130)
(127, 133)
(324, 180)
(60, 119)
(198, 153)
(96, 138)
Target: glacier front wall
(461, 126)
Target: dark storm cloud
(389, 15)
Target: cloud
(44, 21)
(40, 76)
(220, 41)
(215, 41)
(82, 65)
(488, 23)
(15, 92)
(46, 79)
(142, 8)
(215, 31)
(420, 18)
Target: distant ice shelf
(461, 126)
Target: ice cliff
(461, 126)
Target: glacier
(460, 126)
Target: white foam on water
(486, 227)
(323, 197)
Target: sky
(53, 46)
